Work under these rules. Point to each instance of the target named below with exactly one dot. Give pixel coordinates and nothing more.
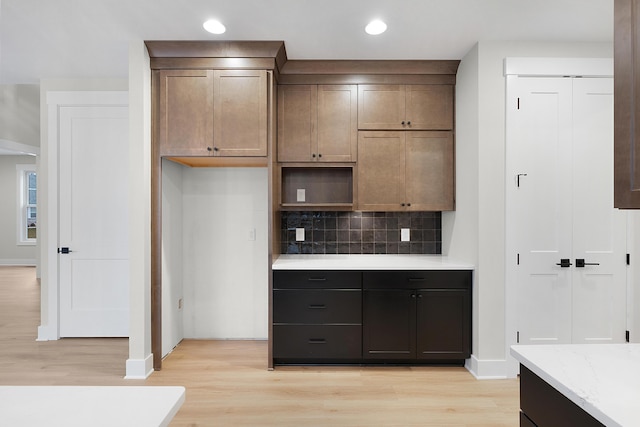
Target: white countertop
(602, 379)
(368, 262)
(82, 406)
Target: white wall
(10, 252)
(172, 259)
(486, 177)
(225, 273)
(20, 114)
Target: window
(27, 201)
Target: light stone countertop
(602, 379)
(368, 262)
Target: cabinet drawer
(316, 279)
(418, 279)
(315, 342)
(317, 306)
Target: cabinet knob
(402, 123)
(408, 204)
(409, 122)
(313, 155)
(413, 295)
(215, 148)
(319, 155)
(209, 148)
(419, 295)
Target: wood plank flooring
(228, 384)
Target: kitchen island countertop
(368, 262)
(602, 379)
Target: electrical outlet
(252, 234)
(299, 234)
(301, 195)
(405, 234)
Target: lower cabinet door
(443, 324)
(319, 343)
(389, 324)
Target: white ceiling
(89, 38)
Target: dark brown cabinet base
(542, 405)
(371, 317)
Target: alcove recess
(313, 188)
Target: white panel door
(563, 208)
(599, 231)
(93, 224)
(542, 169)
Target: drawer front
(315, 279)
(314, 342)
(317, 306)
(418, 279)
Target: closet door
(571, 243)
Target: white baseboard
(487, 369)
(47, 333)
(18, 262)
(139, 369)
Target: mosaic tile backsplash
(362, 232)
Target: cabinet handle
(317, 341)
(417, 279)
(317, 306)
(317, 279)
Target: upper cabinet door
(381, 170)
(337, 123)
(297, 122)
(381, 107)
(626, 109)
(406, 107)
(430, 171)
(185, 112)
(240, 113)
(429, 107)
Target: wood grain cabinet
(317, 123)
(405, 171)
(626, 109)
(212, 113)
(405, 107)
(416, 315)
(317, 316)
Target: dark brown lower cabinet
(417, 316)
(541, 405)
(371, 317)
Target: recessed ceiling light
(214, 27)
(376, 27)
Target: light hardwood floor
(228, 384)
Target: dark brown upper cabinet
(626, 109)
(317, 123)
(213, 113)
(405, 107)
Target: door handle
(564, 262)
(580, 262)
(64, 250)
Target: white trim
(139, 369)
(545, 67)
(47, 333)
(486, 369)
(19, 148)
(50, 318)
(18, 262)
